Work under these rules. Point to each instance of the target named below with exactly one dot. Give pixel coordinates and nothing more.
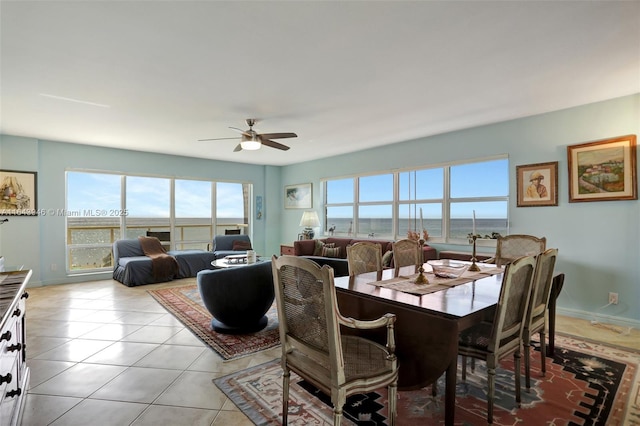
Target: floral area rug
(585, 384)
(185, 304)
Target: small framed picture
(258, 207)
(603, 170)
(18, 193)
(537, 184)
(298, 196)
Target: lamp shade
(310, 219)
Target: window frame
(446, 201)
(172, 226)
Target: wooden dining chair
(364, 256)
(493, 341)
(536, 321)
(511, 247)
(313, 346)
(406, 252)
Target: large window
(192, 214)
(441, 200)
(183, 213)
(93, 219)
(148, 204)
(375, 207)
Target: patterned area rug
(184, 303)
(585, 384)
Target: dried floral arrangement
(416, 236)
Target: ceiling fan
(251, 140)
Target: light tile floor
(101, 353)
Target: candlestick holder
(474, 267)
(421, 278)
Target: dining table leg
(450, 392)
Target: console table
(14, 373)
(287, 249)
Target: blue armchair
(225, 245)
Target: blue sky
(489, 178)
(150, 197)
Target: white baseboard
(599, 317)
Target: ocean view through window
(104, 207)
(440, 200)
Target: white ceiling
(345, 76)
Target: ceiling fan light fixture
(250, 144)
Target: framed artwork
(537, 184)
(603, 170)
(298, 196)
(258, 207)
(18, 193)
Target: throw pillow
(317, 251)
(239, 245)
(386, 259)
(330, 251)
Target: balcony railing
(89, 245)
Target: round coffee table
(224, 263)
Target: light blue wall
(20, 237)
(598, 242)
(39, 242)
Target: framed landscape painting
(603, 170)
(537, 184)
(298, 196)
(18, 193)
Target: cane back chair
(364, 257)
(314, 348)
(492, 341)
(406, 252)
(536, 316)
(511, 247)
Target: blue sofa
(132, 268)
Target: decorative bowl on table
(446, 268)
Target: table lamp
(309, 220)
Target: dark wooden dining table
(427, 326)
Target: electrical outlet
(613, 298)
(54, 267)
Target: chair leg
(285, 396)
(338, 405)
(543, 352)
(337, 417)
(527, 363)
(517, 373)
(393, 402)
(491, 379)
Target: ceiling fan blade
(278, 135)
(241, 131)
(238, 148)
(274, 144)
(216, 139)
